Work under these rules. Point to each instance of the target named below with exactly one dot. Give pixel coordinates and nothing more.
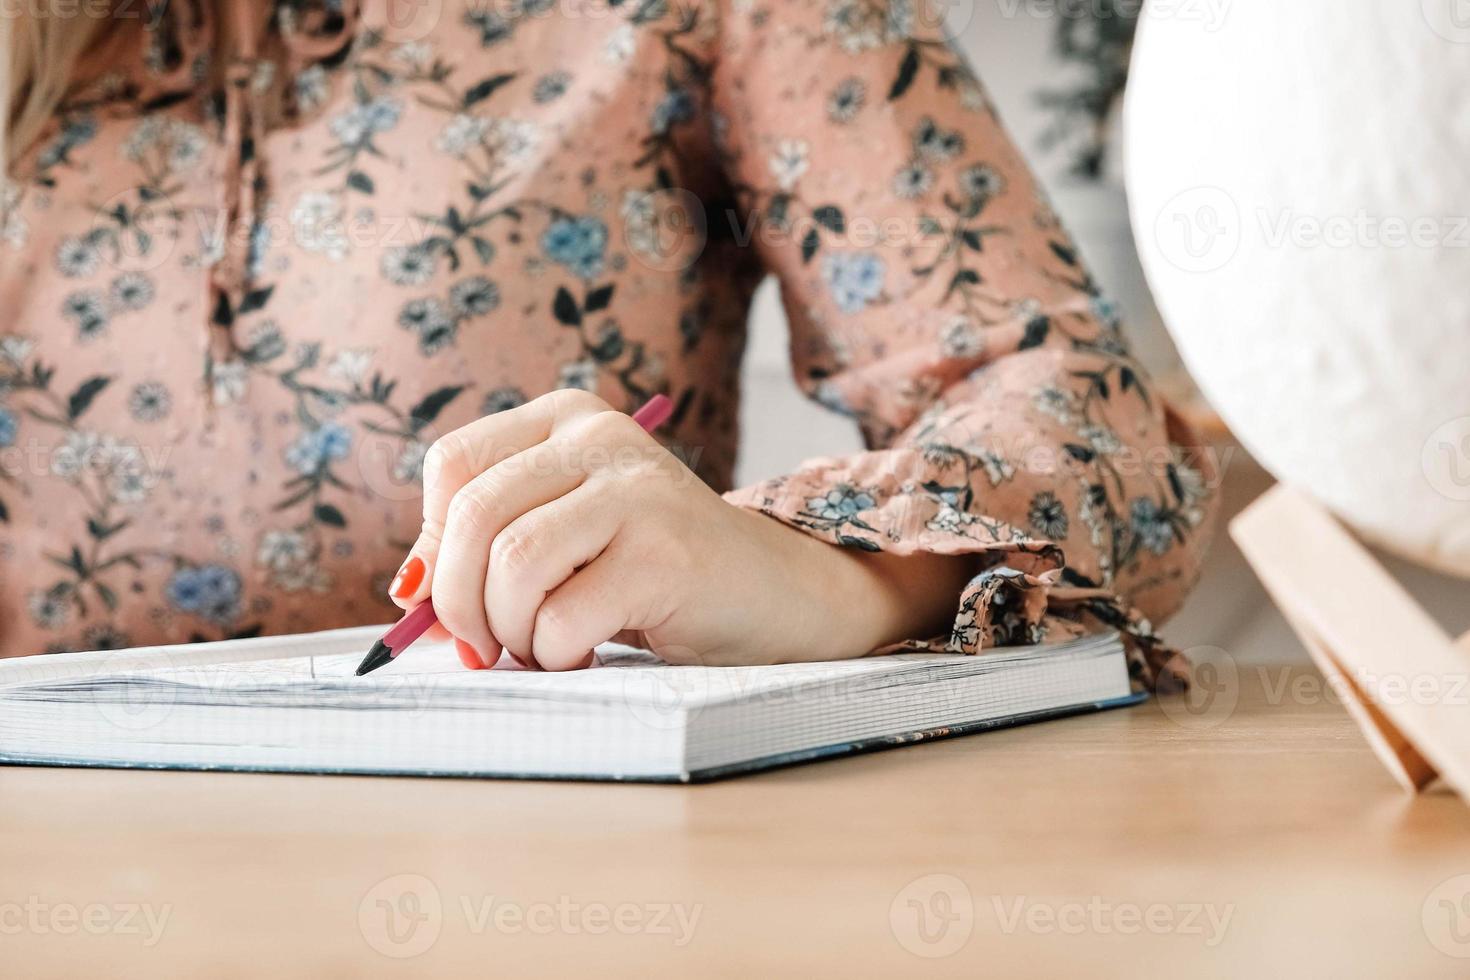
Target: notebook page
(60, 667)
(320, 669)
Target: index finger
(459, 457)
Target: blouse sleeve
(934, 298)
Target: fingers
(485, 507)
(540, 550)
(464, 454)
(475, 518)
(613, 593)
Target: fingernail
(468, 655)
(408, 579)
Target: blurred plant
(1096, 36)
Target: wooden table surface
(1248, 834)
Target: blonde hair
(38, 53)
(40, 50)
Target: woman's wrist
(908, 596)
(853, 601)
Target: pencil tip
(379, 655)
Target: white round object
(1298, 184)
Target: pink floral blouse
(239, 298)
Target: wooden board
(1400, 675)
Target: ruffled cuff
(1021, 591)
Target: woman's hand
(560, 524)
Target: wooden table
(1258, 840)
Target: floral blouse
(254, 269)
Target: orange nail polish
(408, 579)
(467, 655)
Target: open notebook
(630, 717)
